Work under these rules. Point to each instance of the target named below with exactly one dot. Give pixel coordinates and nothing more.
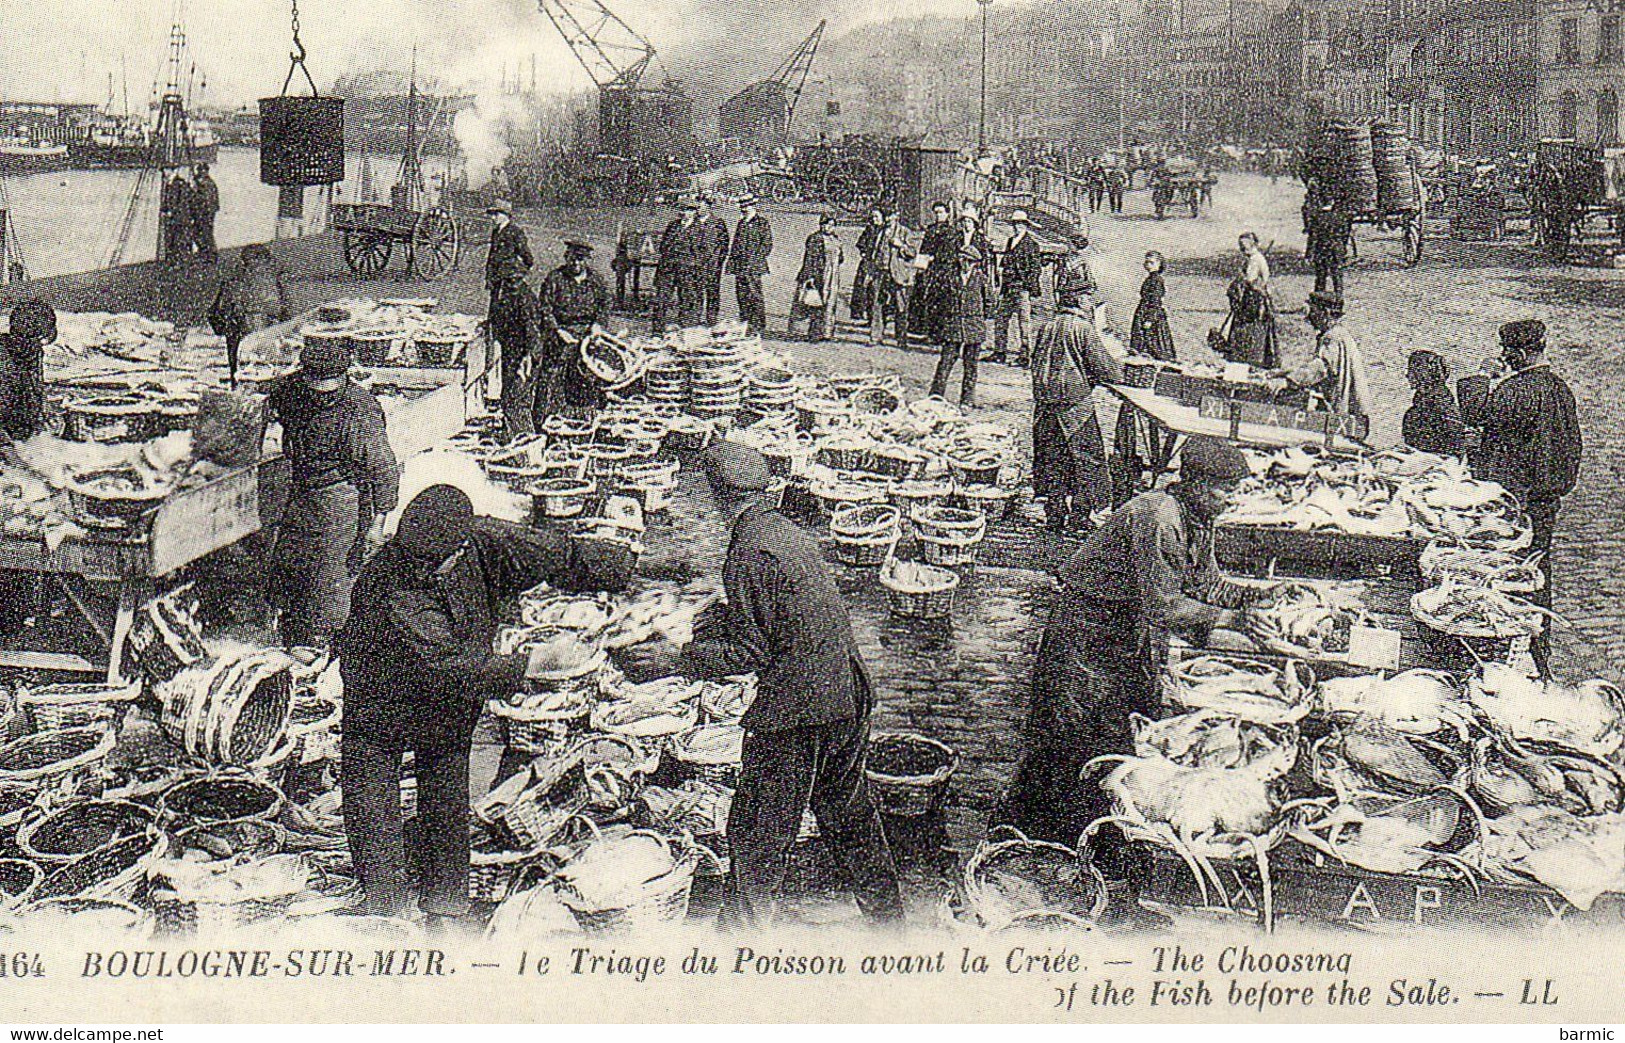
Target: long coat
(752, 245)
(509, 260)
(965, 304)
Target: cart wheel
(773, 188)
(367, 253)
(436, 243)
(853, 184)
(1413, 240)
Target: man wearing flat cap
(417, 664)
(1336, 371)
(512, 318)
(1145, 573)
(573, 300)
(807, 733)
(343, 481)
(1532, 440)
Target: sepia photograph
(718, 511)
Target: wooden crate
(1323, 551)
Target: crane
(765, 109)
(611, 51)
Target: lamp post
(981, 123)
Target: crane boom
(792, 73)
(611, 51)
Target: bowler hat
(435, 523)
(499, 206)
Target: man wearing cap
(573, 300)
(417, 664)
(1021, 271)
(747, 260)
(1532, 441)
(678, 271)
(807, 733)
(894, 279)
(1336, 371)
(512, 318)
(1069, 454)
(343, 481)
(1146, 573)
(716, 237)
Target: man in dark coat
(717, 239)
(205, 208)
(964, 319)
(679, 273)
(1148, 571)
(573, 300)
(1069, 454)
(1328, 246)
(934, 290)
(747, 260)
(343, 481)
(512, 318)
(1532, 443)
(1116, 185)
(22, 370)
(417, 663)
(807, 733)
(1021, 270)
(175, 216)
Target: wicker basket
(226, 797)
(493, 872)
(660, 902)
(720, 772)
(117, 871)
(540, 733)
(1013, 880)
(896, 461)
(19, 800)
(60, 706)
(993, 502)
(934, 603)
(949, 552)
(54, 758)
(78, 829)
(561, 497)
(841, 453)
(865, 533)
(567, 430)
(908, 774)
(948, 523)
(978, 469)
(690, 434)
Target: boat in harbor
(115, 142)
(22, 156)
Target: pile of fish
(1311, 621)
(1398, 493)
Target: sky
(66, 50)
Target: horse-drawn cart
(1372, 175)
(429, 237)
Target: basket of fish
(1216, 739)
(1007, 881)
(909, 774)
(632, 882)
(1458, 620)
(1507, 573)
(1252, 689)
(542, 724)
(1313, 622)
(917, 590)
(713, 752)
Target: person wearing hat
(251, 297)
(818, 282)
(678, 272)
(573, 300)
(1021, 270)
(935, 287)
(22, 369)
(1069, 455)
(894, 277)
(342, 482)
(1532, 443)
(807, 732)
(1336, 371)
(205, 203)
(965, 311)
(512, 318)
(868, 282)
(1147, 572)
(417, 664)
(716, 237)
(747, 260)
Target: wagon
(370, 232)
(1376, 185)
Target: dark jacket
(1328, 235)
(510, 261)
(334, 437)
(247, 291)
(716, 238)
(753, 243)
(1022, 267)
(1069, 360)
(1473, 395)
(682, 247)
(965, 303)
(1532, 435)
(175, 199)
(416, 656)
(1433, 423)
(567, 302)
(205, 197)
(784, 620)
(22, 387)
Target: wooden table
(1160, 425)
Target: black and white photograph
(718, 511)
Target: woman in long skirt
(1251, 327)
(1150, 336)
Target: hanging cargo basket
(301, 141)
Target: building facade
(1581, 70)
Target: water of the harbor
(69, 220)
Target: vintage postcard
(940, 511)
